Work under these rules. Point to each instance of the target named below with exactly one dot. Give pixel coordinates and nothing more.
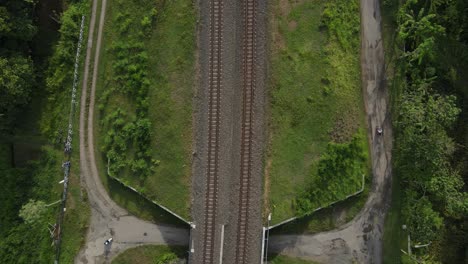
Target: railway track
(248, 89)
(215, 84)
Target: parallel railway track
(214, 86)
(248, 89)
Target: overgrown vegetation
(127, 141)
(144, 93)
(430, 98)
(151, 255)
(281, 259)
(31, 165)
(325, 219)
(340, 169)
(316, 106)
(59, 73)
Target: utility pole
(267, 238)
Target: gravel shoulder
(361, 239)
(107, 218)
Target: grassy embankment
(280, 259)
(316, 101)
(162, 254)
(37, 151)
(144, 99)
(150, 255)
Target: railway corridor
(248, 93)
(214, 90)
(227, 163)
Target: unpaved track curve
(361, 239)
(107, 218)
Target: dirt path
(107, 218)
(361, 239)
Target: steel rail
(248, 92)
(214, 88)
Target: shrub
(340, 171)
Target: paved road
(107, 218)
(361, 239)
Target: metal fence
(145, 197)
(322, 207)
(68, 147)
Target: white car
(379, 131)
(108, 241)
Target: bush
(340, 172)
(340, 18)
(166, 258)
(127, 142)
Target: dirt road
(107, 218)
(361, 239)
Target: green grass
(326, 219)
(171, 55)
(135, 203)
(78, 214)
(147, 254)
(281, 259)
(123, 196)
(316, 98)
(394, 237)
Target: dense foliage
(16, 75)
(341, 19)
(59, 74)
(340, 172)
(128, 138)
(16, 68)
(428, 110)
(15, 247)
(152, 254)
(31, 72)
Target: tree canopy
(33, 212)
(428, 109)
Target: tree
(16, 74)
(418, 31)
(16, 21)
(422, 221)
(33, 212)
(424, 148)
